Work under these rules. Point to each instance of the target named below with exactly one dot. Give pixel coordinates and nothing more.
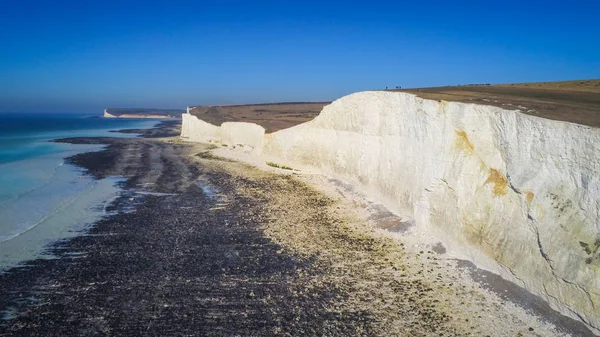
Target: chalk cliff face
(196, 130)
(513, 192)
(108, 114)
(249, 135)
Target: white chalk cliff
(108, 114)
(515, 193)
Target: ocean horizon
(43, 199)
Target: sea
(43, 199)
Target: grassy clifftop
(571, 101)
(271, 116)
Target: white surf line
(62, 206)
(156, 194)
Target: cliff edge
(514, 193)
(108, 114)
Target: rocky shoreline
(201, 245)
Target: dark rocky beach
(200, 245)
(165, 263)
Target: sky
(84, 56)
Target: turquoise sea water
(42, 199)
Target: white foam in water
(21, 178)
(71, 211)
(30, 207)
(43, 200)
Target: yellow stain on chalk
(499, 181)
(529, 198)
(462, 142)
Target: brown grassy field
(571, 101)
(271, 116)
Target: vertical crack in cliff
(514, 274)
(510, 184)
(542, 252)
(573, 312)
(587, 293)
(558, 277)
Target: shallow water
(42, 199)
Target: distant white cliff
(108, 114)
(514, 193)
(141, 113)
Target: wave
(67, 219)
(42, 199)
(47, 216)
(42, 184)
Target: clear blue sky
(86, 55)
